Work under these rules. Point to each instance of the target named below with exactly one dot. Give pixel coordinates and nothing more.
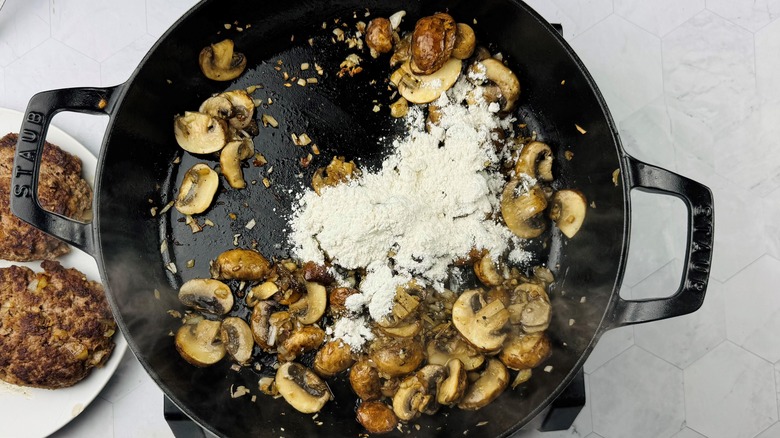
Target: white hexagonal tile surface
(660, 16)
(752, 15)
(124, 21)
(753, 308)
(160, 15)
(23, 25)
(637, 395)
(617, 52)
(727, 395)
(684, 339)
(711, 89)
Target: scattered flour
(429, 204)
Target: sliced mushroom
(200, 344)
(397, 356)
(301, 340)
(441, 351)
(402, 51)
(379, 36)
(487, 271)
(217, 106)
(432, 42)
(280, 327)
(310, 308)
(405, 330)
(431, 376)
(260, 323)
(490, 384)
(521, 377)
(568, 211)
(536, 161)
(197, 191)
(522, 210)
(376, 417)
(263, 291)
(333, 358)
(530, 307)
(507, 81)
(236, 336)
(291, 285)
(302, 388)
(390, 387)
(454, 386)
(480, 323)
(207, 295)
(410, 398)
(230, 161)
(426, 88)
(219, 62)
(465, 42)
(525, 351)
(243, 108)
(364, 379)
(240, 264)
(537, 312)
(200, 133)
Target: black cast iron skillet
(137, 170)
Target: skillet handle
(29, 151)
(698, 257)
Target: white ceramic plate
(31, 412)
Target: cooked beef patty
(61, 189)
(55, 326)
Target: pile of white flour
(433, 200)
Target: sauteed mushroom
(261, 325)
(410, 399)
(442, 350)
(236, 336)
(525, 351)
(432, 42)
(397, 357)
(230, 161)
(197, 190)
(301, 388)
(465, 42)
(200, 344)
(376, 417)
(207, 295)
(454, 386)
(243, 108)
(522, 210)
(480, 323)
(404, 330)
(487, 272)
(310, 308)
(490, 384)
(379, 36)
(219, 62)
(301, 340)
(568, 211)
(535, 160)
(364, 379)
(333, 358)
(426, 88)
(200, 133)
(431, 376)
(240, 264)
(506, 80)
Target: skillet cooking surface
(140, 170)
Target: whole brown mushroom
(379, 35)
